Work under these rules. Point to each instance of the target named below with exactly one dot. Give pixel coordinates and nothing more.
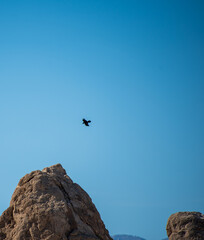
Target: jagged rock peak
(186, 226)
(47, 205)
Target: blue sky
(135, 68)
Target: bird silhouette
(86, 122)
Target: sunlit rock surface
(186, 226)
(47, 205)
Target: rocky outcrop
(186, 226)
(47, 205)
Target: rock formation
(185, 226)
(47, 205)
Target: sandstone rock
(185, 226)
(47, 205)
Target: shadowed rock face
(186, 226)
(47, 205)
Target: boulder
(47, 205)
(185, 226)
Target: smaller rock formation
(185, 226)
(47, 205)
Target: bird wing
(89, 121)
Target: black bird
(86, 122)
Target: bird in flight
(86, 122)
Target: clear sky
(136, 69)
